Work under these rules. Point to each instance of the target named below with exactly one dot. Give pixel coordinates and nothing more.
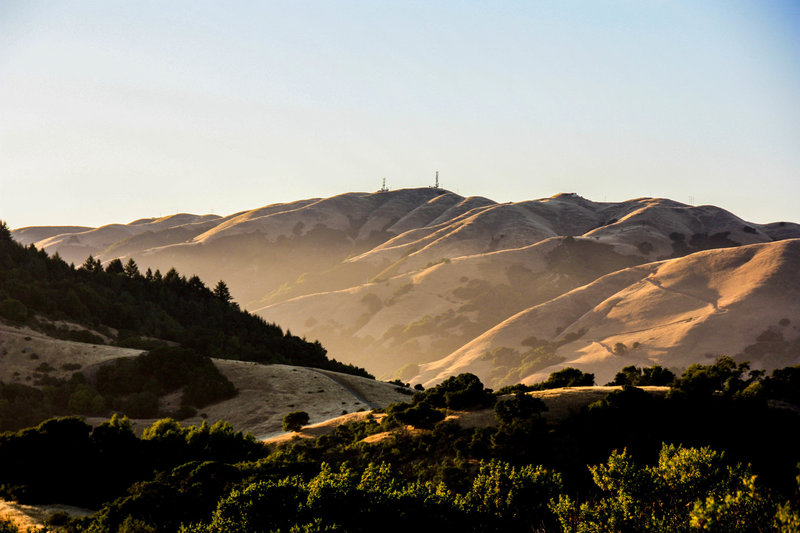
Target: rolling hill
(265, 392)
(423, 283)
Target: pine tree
(131, 270)
(222, 292)
(92, 265)
(5, 233)
(115, 267)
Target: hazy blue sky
(111, 110)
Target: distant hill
(743, 302)
(423, 283)
(143, 310)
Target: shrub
(654, 375)
(420, 415)
(295, 420)
(141, 405)
(457, 392)
(724, 375)
(45, 367)
(58, 518)
(13, 310)
(568, 377)
(521, 406)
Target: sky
(112, 111)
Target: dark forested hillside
(142, 306)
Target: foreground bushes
(502, 498)
(522, 475)
(689, 489)
(65, 460)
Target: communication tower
(383, 186)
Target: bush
(161, 371)
(58, 518)
(457, 392)
(568, 377)
(295, 420)
(421, 415)
(521, 406)
(725, 375)
(13, 310)
(141, 405)
(654, 375)
(45, 367)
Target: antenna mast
(383, 186)
(437, 180)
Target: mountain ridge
(398, 280)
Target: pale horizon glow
(115, 111)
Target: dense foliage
(692, 460)
(457, 392)
(65, 460)
(654, 375)
(295, 420)
(131, 386)
(165, 370)
(143, 306)
(566, 377)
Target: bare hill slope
(266, 392)
(740, 301)
(394, 281)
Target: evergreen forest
(133, 308)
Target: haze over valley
(420, 284)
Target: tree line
(142, 307)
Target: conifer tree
(222, 292)
(115, 267)
(92, 265)
(131, 269)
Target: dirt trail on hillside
(347, 386)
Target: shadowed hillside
(417, 284)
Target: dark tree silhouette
(131, 269)
(295, 420)
(222, 292)
(115, 267)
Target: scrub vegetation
(714, 454)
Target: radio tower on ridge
(436, 186)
